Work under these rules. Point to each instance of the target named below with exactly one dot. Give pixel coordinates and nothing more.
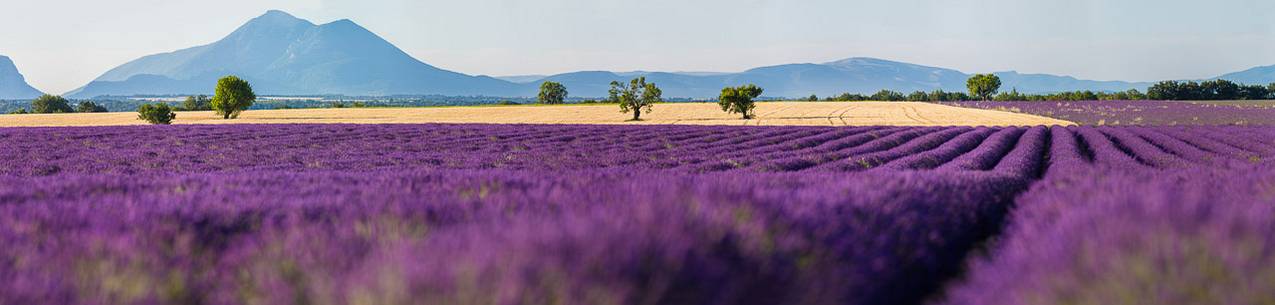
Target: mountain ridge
(12, 84)
(281, 54)
(1255, 75)
(284, 55)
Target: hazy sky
(62, 44)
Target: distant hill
(854, 75)
(284, 55)
(281, 54)
(13, 86)
(1254, 76)
(1046, 83)
(522, 78)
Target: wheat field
(767, 114)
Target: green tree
(739, 99)
(552, 93)
(1220, 89)
(87, 106)
(1166, 90)
(1253, 92)
(812, 98)
(197, 103)
(637, 96)
(19, 111)
(51, 104)
(983, 86)
(232, 96)
(158, 113)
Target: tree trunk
(637, 113)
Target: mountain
(13, 86)
(854, 75)
(284, 55)
(522, 78)
(1254, 76)
(1046, 83)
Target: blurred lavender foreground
(527, 214)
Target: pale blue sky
(62, 44)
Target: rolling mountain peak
(285, 55)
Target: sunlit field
(768, 114)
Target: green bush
(19, 111)
(156, 113)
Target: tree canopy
(232, 96)
(87, 106)
(552, 93)
(197, 103)
(739, 99)
(636, 96)
(51, 104)
(983, 86)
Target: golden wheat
(768, 113)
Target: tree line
(56, 104)
(233, 95)
(1218, 89)
(986, 87)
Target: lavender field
(1141, 113)
(583, 214)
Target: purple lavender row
(499, 237)
(1194, 153)
(1198, 236)
(1028, 157)
(824, 152)
(923, 144)
(942, 154)
(987, 154)
(891, 146)
(1142, 150)
(184, 149)
(1144, 113)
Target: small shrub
(19, 111)
(156, 113)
